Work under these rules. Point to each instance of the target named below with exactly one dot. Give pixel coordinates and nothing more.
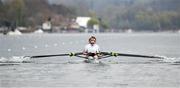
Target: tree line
(153, 15)
(150, 15)
(30, 13)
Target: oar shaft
(102, 53)
(132, 55)
(41, 56)
(49, 55)
(129, 55)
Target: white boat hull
(92, 60)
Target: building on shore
(83, 23)
(47, 25)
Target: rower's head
(92, 40)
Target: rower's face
(92, 41)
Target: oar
(54, 55)
(130, 55)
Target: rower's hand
(99, 54)
(85, 53)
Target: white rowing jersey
(92, 48)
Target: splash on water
(15, 59)
(3, 60)
(166, 59)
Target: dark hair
(92, 37)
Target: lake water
(16, 71)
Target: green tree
(1, 5)
(92, 22)
(16, 12)
(20, 9)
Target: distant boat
(39, 31)
(16, 32)
(178, 31)
(128, 31)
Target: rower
(92, 49)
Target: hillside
(154, 15)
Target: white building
(46, 26)
(83, 21)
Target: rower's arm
(85, 52)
